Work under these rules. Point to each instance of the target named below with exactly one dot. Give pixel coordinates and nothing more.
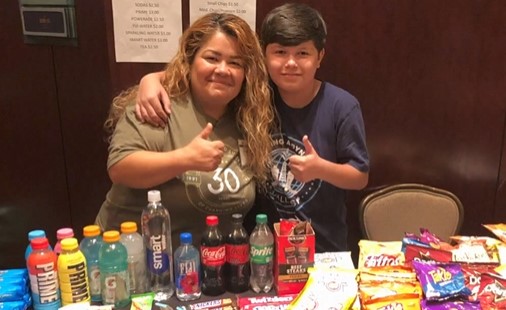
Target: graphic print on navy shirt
(283, 189)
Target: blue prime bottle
(37, 233)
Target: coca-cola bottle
(237, 268)
(212, 255)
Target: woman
(209, 157)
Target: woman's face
(217, 73)
(293, 68)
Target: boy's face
(293, 68)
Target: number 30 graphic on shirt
(228, 174)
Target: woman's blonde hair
(253, 108)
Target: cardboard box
(294, 255)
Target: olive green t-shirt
(191, 196)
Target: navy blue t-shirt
(334, 125)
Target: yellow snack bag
(327, 289)
(499, 230)
(390, 273)
(404, 302)
(375, 290)
(380, 254)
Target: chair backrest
(387, 214)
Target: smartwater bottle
(156, 232)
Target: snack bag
(499, 230)
(492, 291)
(333, 260)
(404, 302)
(327, 289)
(386, 274)
(441, 281)
(472, 277)
(374, 290)
(380, 254)
(450, 305)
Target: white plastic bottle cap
(154, 196)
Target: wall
(429, 76)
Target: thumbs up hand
(205, 155)
(304, 168)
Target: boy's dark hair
(292, 24)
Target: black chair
(387, 214)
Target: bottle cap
(39, 243)
(91, 231)
(69, 244)
(37, 233)
(63, 233)
(261, 218)
(128, 227)
(154, 196)
(236, 217)
(185, 237)
(111, 236)
(212, 220)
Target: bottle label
(44, 283)
(262, 254)
(158, 259)
(212, 255)
(73, 278)
(115, 287)
(237, 253)
(187, 277)
(94, 278)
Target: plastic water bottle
(90, 246)
(41, 264)
(187, 269)
(61, 234)
(156, 231)
(37, 233)
(261, 256)
(137, 271)
(72, 273)
(114, 271)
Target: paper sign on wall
(146, 30)
(246, 9)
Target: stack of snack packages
(14, 289)
(424, 272)
(308, 280)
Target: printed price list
(147, 26)
(246, 9)
(222, 7)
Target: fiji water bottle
(156, 232)
(90, 246)
(114, 271)
(187, 269)
(41, 264)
